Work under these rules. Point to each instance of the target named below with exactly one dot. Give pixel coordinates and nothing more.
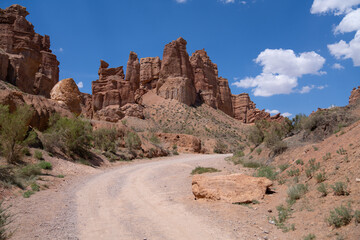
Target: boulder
(67, 92)
(133, 110)
(31, 65)
(234, 188)
(184, 142)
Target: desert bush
(13, 131)
(28, 193)
(132, 141)
(298, 122)
(310, 236)
(283, 167)
(38, 155)
(201, 170)
(283, 214)
(322, 188)
(320, 177)
(255, 136)
(220, 147)
(5, 220)
(357, 216)
(279, 148)
(340, 189)
(239, 153)
(293, 172)
(312, 167)
(258, 151)
(296, 192)
(29, 171)
(35, 187)
(340, 216)
(105, 139)
(72, 135)
(175, 150)
(299, 162)
(154, 139)
(26, 151)
(45, 165)
(327, 156)
(266, 171)
(251, 164)
(341, 151)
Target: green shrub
(296, 192)
(251, 164)
(174, 150)
(341, 216)
(201, 170)
(13, 131)
(5, 220)
(283, 167)
(26, 151)
(105, 139)
(30, 171)
(279, 147)
(38, 155)
(313, 166)
(310, 236)
(60, 176)
(340, 189)
(239, 153)
(327, 156)
(299, 162)
(132, 141)
(341, 151)
(320, 177)
(220, 147)
(35, 187)
(298, 122)
(266, 171)
(293, 172)
(72, 135)
(27, 194)
(255, 136)
(322, 188)
(45, 165)
(154, 139)
(357, 216)
(283, 214)
(258, 151)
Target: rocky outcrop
(235, 188)
(176, 75)
(183, 142)
(43, 107)
(149, 72)
(30, 64)
(355, 96)
(225, 97)
(86, 105)
(67, 92)
(133, 71)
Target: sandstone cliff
(26, 60)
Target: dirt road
(146, 200)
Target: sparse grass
(201, 170)
(320, 177)
(251, 164)
(341, 151)
(26, 151)
(299, 162)
(283, 167)
(27, 194)
(258, 151)
(220, 147)
(38, 155)
(60, 176)
(266, 171)
(293, 172)
(283, 214)
(340, 189)
(296, 192)
(239, 153)
(5, 220)
(45, 165)
(315, 148)
(357, 217)
(327, 156)
(322, 188)
(154, 139)
(340, 216)
(30, 171)
(35, 187)
(312, 168)
(310, 236)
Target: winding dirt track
(143, 201)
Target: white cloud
(337, 66)
(344, 50)
(286, 114)
(61, 49)
(80, 85)
(306, 89)
(181, 1)
(350, 23)
(272, 111)
(243, 2)
(227, 1)
(281, 70)
(335, 6)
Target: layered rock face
(25, 56)
(176, 74)
(149, 72)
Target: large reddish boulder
(183, 142)
(67, 92)
(31, 65)
(176, 74)
(234, 188)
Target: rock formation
(176, 75)
(67, 92)
(184, 142)
(26, 58)
(234, 188)
(133, 71)
(149, 72)
(355, 96)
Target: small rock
(269, 210)
(271, 222)
(357, 179)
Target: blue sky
(291, 56)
